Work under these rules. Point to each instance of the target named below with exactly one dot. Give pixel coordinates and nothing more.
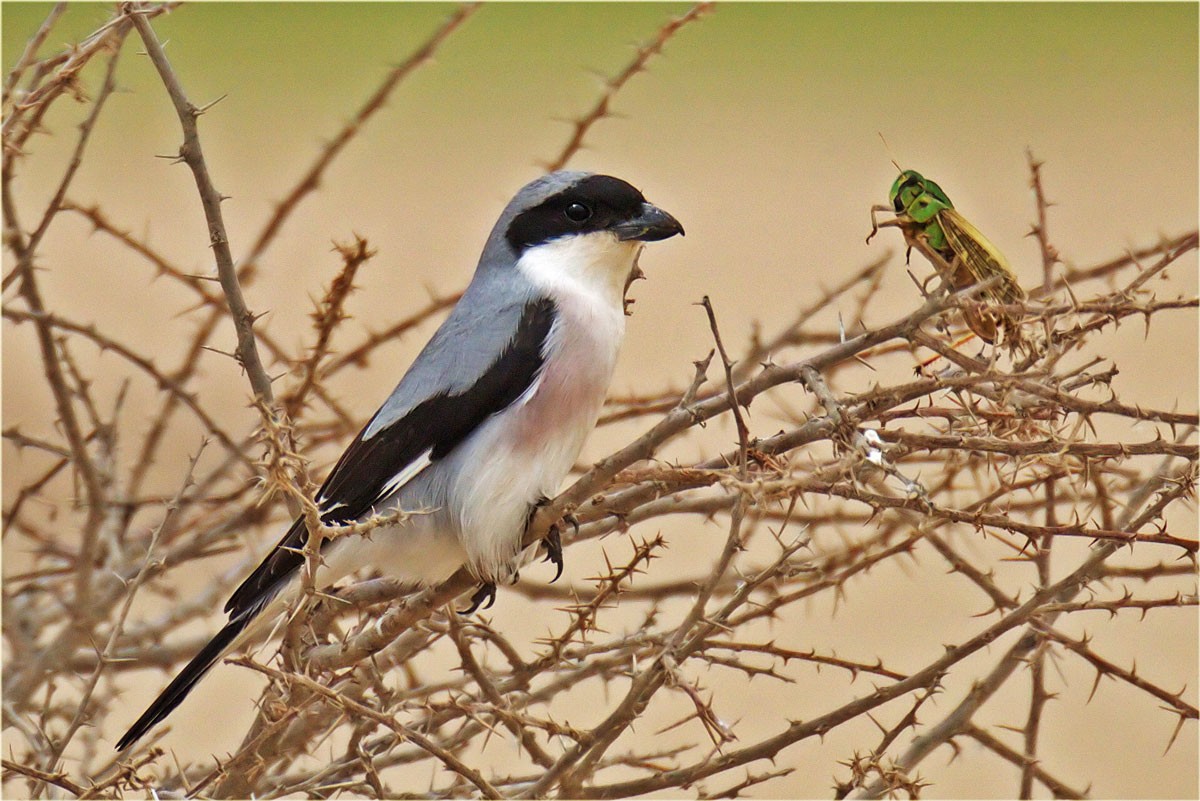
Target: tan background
(760, 130)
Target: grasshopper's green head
(915, 196)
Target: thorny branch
(210, 199)
(600, 110)
(1046, 496)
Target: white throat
(596, 264)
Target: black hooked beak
(651, 225)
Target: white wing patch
(410, 471)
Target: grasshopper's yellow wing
(977, 260)
(980, 257)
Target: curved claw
(554, 552)
(553, 539)
(486, 592)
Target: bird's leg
(486, 592)
(552, 542)
(554, 552)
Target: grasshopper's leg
(982, 322)
(876, 225)
(921, 366)
(928, 278)
(978, 318)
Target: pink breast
(571, 389)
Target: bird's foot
(554, 552)
(552, 542)
(486, 592)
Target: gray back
(482, 322)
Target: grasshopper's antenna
(888, 148)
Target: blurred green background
(760, 129)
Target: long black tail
(182, 684)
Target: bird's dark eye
(577, 212)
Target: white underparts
(524, 453)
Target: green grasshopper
(958, 251)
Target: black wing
(367, 472)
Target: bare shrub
(1021, 472)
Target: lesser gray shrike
(488, 420)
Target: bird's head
(583, 226)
